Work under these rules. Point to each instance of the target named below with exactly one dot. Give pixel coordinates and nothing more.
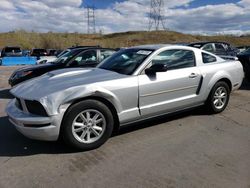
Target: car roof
(38, 49)
(207, 42)
(89, 48)
(76, 47)
(158, 46)
(12, 47)
(152, 46)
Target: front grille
(35, 107)
(18, 104)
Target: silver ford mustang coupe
(84, 106)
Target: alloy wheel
(89, 126)
(220, 98)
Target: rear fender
(216, 78)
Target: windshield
(62, 53)
(125, 61)
(66, 56)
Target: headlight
(44, 61)
(22, 74)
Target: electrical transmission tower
(91, 19)
(156, 15)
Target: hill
(29, 40)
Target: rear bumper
(33, 126)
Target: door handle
(193, 75)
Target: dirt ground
(192, 149)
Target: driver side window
(208, 48)
(86, 57)
(175, 59)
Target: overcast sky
(187, 16)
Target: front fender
(65, 98)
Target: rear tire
(87, 125)
(218, 98)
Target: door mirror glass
(156, 68)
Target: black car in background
(242, 48)
(52, 52)
(38, 52)
(75, 57)
(244, 58)
(9, 51)
(62, 52)
(26, 52)
(221, 49)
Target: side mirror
(156, 68)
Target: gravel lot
(191, 149)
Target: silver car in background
(83, 106)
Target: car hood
(35, 67)
(62, 80)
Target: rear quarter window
(207, 58)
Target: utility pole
(156, 15)
(91, 19)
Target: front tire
(218, 98)
(87, 125)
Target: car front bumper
(14, 81)
(33, 126)
(11, 83)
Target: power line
(156, 15)
(91, 19)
